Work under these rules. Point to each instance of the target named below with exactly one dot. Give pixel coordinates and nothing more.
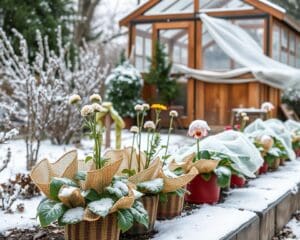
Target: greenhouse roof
(154, 8)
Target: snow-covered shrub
(291, 97)
(39, 89)
(123, 89)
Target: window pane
(276, 43)
(171, 6)
(225, 4)
(143, 46)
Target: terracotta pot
(150, 204)
(298, 152)
(104, 229)
(237, 182)
(264, 168)
(275, 164)
(171, 208)
(202, 191)
(128, 122)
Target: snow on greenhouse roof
(273, 5)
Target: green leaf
(180, 192)
(125, 219)
(206, 176)
(91, 195)
(115, 191)
(223, 176)
(49, 211)
(101, 207)
(88, 158)
(204, 154)
(163, 197)
(57, 183)
(179, 171)
(153, 186)
(139, 213)
(80, 175)
(129, 172)
(73, 216)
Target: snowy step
(256, 212)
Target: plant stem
(168, 140)
(131, 154)
(198, 149)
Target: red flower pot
(298, 152)
(237, 181)
(202, 191)
(264, 168)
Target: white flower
(95, 98)
(243, 114)
(74, 99)
(98, 108)
(267, 106)
(134, 129)
(266, 141)
(146, 106)
(198, 129)
(173, 113)
(87, 110)
(149, 125)
(246, 118)
(138, 108)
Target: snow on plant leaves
(56, 183)
(152, 186)
(101, 207)
(223, 176)
(137, 194)
(49, 211)
(122, 186)
(73, 215)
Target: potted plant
(296, 142)
(86, 196)
(212, 175)
(159, 75)
(123, 89)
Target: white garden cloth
(274, 128)
(243, 49)
(292, 125)
(245, 156)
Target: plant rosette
(146, 180)
(172, 196)
(296, 142)
(214, 172)
(271, 149)
(80, 197)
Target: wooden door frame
(190, 27)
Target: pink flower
(198, 129)
(267, 106)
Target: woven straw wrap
(74, 199)
(125, 154)
(104, 229)
(173, 184)
(171, 208)
(43, 172)
(202, 165)
(148, 174)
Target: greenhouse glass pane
(171, 7)
(276, 43)
(223, 4)
(143, 46)
(254, 27)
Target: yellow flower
(159, 107)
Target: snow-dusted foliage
(123, 89)
(37, 90)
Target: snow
(202, 222)
(152, 186)
(295, 227)
(101, 207)
(73, 215)
(66, 191)
(122, 186)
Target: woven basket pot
(150, 204)
(275, 164)
(171, 208)
(103, 229)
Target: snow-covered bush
(123, 89)
(292, 98)
(38, 90)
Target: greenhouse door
(179, 41)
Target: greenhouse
(232, 53)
